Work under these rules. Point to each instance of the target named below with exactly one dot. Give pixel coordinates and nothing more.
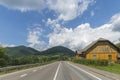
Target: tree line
(6, 60)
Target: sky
(42, 24)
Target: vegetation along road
(61, 70)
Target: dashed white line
(23, 75)
(85, 71)
(34, 70)
(57, 72)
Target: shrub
(3, 62)
(91, 62)
(118, 61)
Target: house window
(110, 57)
(94, 57)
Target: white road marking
(57, 72)
(85, 71)
(21, 71)
(23, 75)
(34, 70)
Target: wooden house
(101, 49)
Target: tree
(44, 59)
(26, 60)
(35, 59)
(2, 62)
(2, 53)
(118, 45)
(15, 61)
(4, 59)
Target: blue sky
(42, 24)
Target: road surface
(60, 71)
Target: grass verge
(115, 68)
(99, 64)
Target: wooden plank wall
(102, 51)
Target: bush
(3, 62)
(15, 62)
(91, 62)
(118, 61)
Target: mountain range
(21, 51)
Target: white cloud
(23, 5)
(34, 39)
(65, 9)
(74, 38)
(84, 34)
(69, 9)
(7, 45)
(115, 21)
(54, 25)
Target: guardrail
(18, 67)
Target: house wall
(103, 51)
(102, 56)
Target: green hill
(58, 50)
(21, 51)
(118, 45)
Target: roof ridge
(102, 39)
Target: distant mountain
(21, 51)
(58, 50)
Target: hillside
(58, 50)
(21, 51)
(118, 45)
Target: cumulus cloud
(23, 5)
(7, 45)
(78, 37)
(65, 9)
(75, 38)
(115, 21)
(34, 39)
(84, 34)
(69, 9)
(54, 25)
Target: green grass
(99, 64)
(115, 68)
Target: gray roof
(86, 48)
(80, 51)
(93, 43)
(90, 45)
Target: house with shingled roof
(100, 49)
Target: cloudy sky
(42, 24)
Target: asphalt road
(57, 71)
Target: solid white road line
(23, 75)
(57, 72)
(85, 71)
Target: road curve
(56, 71)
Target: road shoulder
(100, 72)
